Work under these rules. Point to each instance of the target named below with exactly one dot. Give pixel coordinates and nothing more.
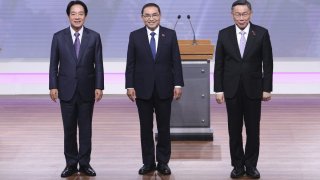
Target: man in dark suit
(242, 78)
(153, 79)
(76, 77)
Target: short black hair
(150, 5)
(241, 2)
(71, 3)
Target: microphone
(194, 42)
(179, 16)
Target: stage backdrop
(27, 26)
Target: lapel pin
(163, 35)
(253, 33)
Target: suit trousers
(162, 110)
(77, 113)
(241, 109)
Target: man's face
(77, 17)
(151, 17)
(241, 16)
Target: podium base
(190, 134)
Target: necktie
(153, 45)
(77, 43)
(242, 42)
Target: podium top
(190, 42)
(201, 50)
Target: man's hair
(71, 3)
(150, 5)
(241, 2)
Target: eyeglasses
(149, 16)
(244, 15)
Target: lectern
(190, 116)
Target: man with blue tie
(242, 78)
(76, 77)
(153, 79)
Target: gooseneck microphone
(179, 16)
(194, 34)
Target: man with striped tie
(242, 78)
(76, 78)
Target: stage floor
(31, 141)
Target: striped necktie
(77, 44)
(242, 43)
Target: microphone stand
(194, 42)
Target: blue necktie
(153, 45)
(77, 43)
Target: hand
(266, 96)
(131, 93)
(177, 92)
(220, 98)
(98, 94)
(54, 94)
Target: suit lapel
(145, 42)
(250, 40)
(69, 43)
(233, 39)
(84, 43)
(161, 39)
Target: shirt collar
(156, 31)
(246, 30)
(73, 31)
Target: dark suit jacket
(255, 68)
(67, 73)
(143, 73)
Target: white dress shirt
(73, 36)
(238, 30)
(156, 36)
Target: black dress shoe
(69, 171)
(145, 169)
(237, 172)
(163, 169)
(87, 170)
(253, 172)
